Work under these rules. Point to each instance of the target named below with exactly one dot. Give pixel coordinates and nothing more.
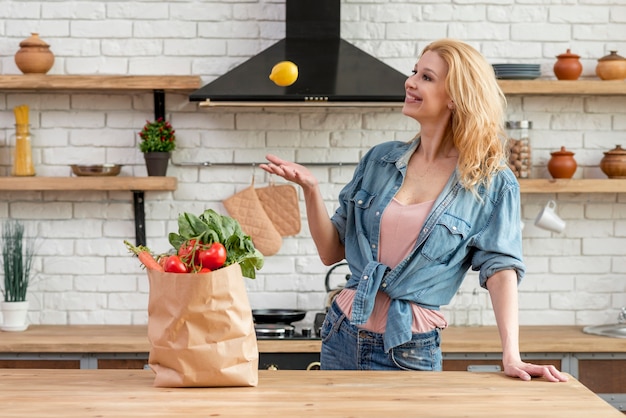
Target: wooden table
(126, 393)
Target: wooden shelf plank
(99, 82)
(572, 185)
(190, 82)
(564, 87)
(170, 184)
(153, 183)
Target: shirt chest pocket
(445, 238)
(364, 217)
(362, 199)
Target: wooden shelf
(572, 186)
(190, 83)
(99, 82)
(170, 183)
(564, 87)
(89, 183)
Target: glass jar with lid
(518, 132)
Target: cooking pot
(334, 291)
(277, 316)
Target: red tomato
(212, 257)
(188, 248)
(173, 264)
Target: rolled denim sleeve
(499, 245)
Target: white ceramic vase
(14, 316)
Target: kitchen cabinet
(100, 83)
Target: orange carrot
(145, 256)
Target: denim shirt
(461, 232)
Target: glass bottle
(518, 132)
(22, 151)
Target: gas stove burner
(274, 330)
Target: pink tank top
(399, 228)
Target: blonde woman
(416, 216)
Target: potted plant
(17, 259)
(157, 141)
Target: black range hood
(330, 69)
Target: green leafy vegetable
(212, 227)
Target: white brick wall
(85, 275)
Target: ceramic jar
(562, 165)
(568, 66)
(613, 164)
(34, 56)
(611, 67)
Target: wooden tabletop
(134, 339)
(126, 393)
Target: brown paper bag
(201, 330)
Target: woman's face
(426, 98)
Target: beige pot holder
(266, 214)
(246, 208)
(281, 205)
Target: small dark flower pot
(156, 163)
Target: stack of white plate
(517, 71)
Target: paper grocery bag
(201, 330)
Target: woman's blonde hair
(476, 126)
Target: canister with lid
(518, 132)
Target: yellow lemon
(285, 73)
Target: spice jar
(613, 164)
(568, 66)
(22, 151)
(562, 165)
(519, 147)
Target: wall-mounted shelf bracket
(159, 104)
(140, 217)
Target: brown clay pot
(562, 165)
(613, 164)
(568, 66)
(611, 67)
(34, 56)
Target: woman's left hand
(526, 371)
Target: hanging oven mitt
(281, 205)
(246, 208)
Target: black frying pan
(277, 316)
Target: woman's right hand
(289, 171)
(322, 230)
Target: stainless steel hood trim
(312, 104)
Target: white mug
(548, 219)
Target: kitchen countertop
(129, 393)
(134, 339)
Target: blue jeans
(346, 347)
